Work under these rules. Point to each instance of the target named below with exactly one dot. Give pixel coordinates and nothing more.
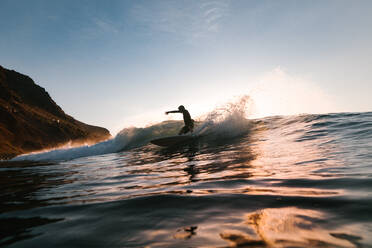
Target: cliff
(30, 120)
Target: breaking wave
(224, 122)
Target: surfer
(189, 123)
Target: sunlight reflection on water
(293, 186)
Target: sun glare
(278, 93)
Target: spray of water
(227, 121)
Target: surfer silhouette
(189, 123)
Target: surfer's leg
(183, 130)
(187, 129)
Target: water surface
(300, 181)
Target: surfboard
(173, 140)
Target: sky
(121, 63)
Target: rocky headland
(30, 120)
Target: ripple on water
(300, 181)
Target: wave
(227, 121)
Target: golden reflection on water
(269, 227)
(288, 153)
(290, 226)
(277, 157)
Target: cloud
(188, 20)
(95, 28)
(105, 26)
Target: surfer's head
(181, 108)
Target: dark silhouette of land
(30, 120)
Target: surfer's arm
(173, 111)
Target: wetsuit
(189, 123)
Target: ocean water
(284, 181)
